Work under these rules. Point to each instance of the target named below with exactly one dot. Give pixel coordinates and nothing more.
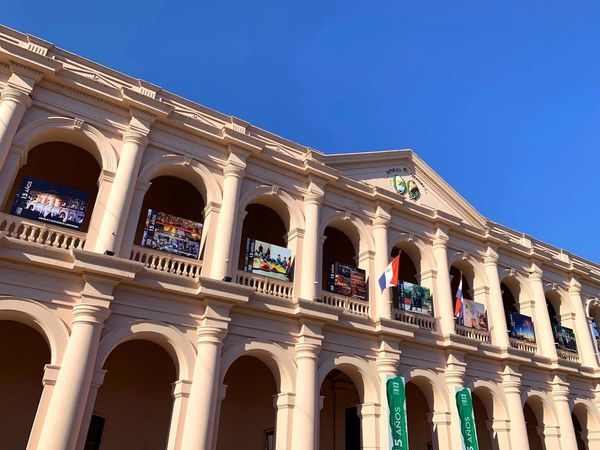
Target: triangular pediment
(403, 173)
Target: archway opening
(247, 418)
(134, 404)
(23, 355)
(509, 301)
(455, 277)
(171, 217)
(418, 412)
(263, 245)
(595, 315)
(340, 425)
(533, 428)
(577, 426)
(482, 421)
(57, 186)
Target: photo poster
(267, 259)
(49, 202)
(520, 327)
(172, 234)
(564, 338)
(347, 280)
(474, 315)
(415, 298)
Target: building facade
(116, 336)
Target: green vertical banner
(396, 397)
(464, 403)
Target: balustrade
(473, 333)
(40, 233)
(266, 285)
(530, 347)
(349, 305)
(420, 320)
(166, 262)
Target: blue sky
(502, 99)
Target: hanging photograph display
(172, 234)
(474, 315)
(347, 280)
(267, 259)
(564, 338)
(51, 203)
(520, 327)
(415, 298)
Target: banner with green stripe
(396, 397)
(464, 403)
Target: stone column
(388, 357)
(541, 320)
(199, 421)
(310, 288)
(500, 432)
(8, 174)
(441, 422)
(135, 209)
(97, 381)
(369, 414)
(15, 101)
(224, 263)
(497, 315)
(110, 233)
(306, 414)
(455, 378)
(221, 393)
(49, 380)
(65, 411)
(551, 437)
(284, 405)
(181, 393)
(511, 385)
(382, 259)
(560, 394)
(443, 296)
(592, 438)
(583, 335)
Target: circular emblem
(413, 190)
(399, 184)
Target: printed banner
(520, 327)
(267, 259)
(564, 338)
(412, 297)
(464, 403)
(51, 203)
(172, 234)
(474, 315)
(347, 280)
(396, 397)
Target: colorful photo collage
(415, 298)
(474, 315)
(51, 203)
(520, 327)
(347, 280)
(564, 338)
(172, 234)
(269, 260)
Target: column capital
(382, 217)
(23, 78)
(511, 379)
(574, 286)
(284, 400)
(136, 137)
(17, 96)
(535, 272)
(92, 314)
(441, 238)
(388, 357)
(490, 257)
(314, 194)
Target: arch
(38, 316)
(172, 340)
(420, 253)
(559, 301)
(542, 406)
(432, 385)
(590, 305)
(187, 169)
(357, 369)
(587, 413)
(275, 357)
(471, 268)
(352, 226)
(497, 408)
(65, 129)
(278, 200)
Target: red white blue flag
(390, 276)
(459, 299)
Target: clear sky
(502, 99)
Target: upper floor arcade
(115, 166)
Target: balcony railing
(473, 333)
(349, 305)
(167, 263)
(266, 285)
(530, 347)
(40, 233)
(420, 320)
(567, 355)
